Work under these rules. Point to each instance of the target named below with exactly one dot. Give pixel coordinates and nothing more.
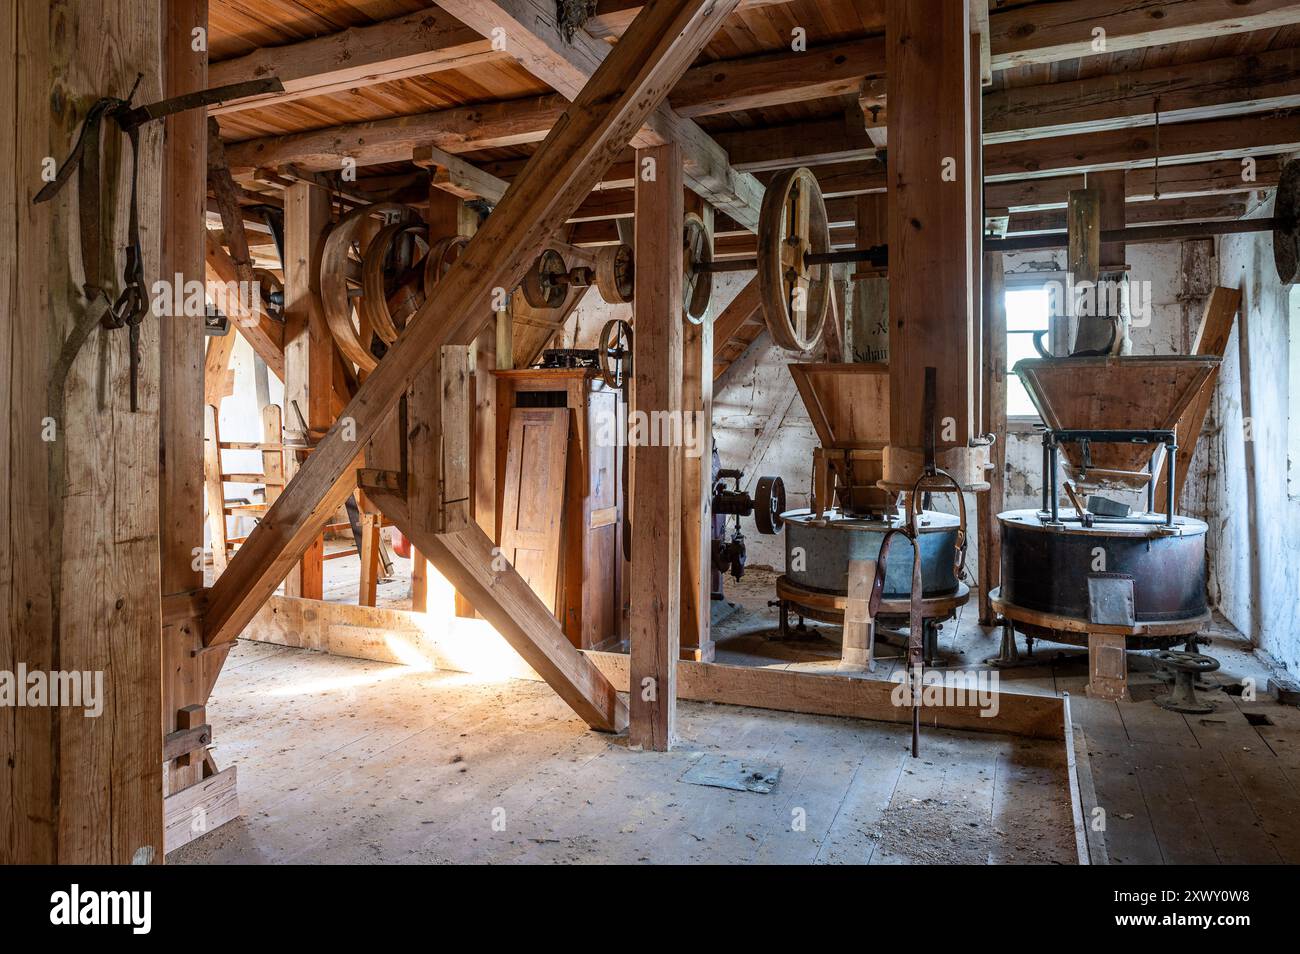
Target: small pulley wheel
(616, 273)
(614, 355)
(697, 284)
(543, 287)
(769, 504)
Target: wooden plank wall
(79, 562)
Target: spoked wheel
(796, 292)
(614, 354)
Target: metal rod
(1136, 234)
(1169, 483)
(1056, 517)
(1047, 463)
(875, 255)
(1151, 484)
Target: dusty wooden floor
(345, 760)
(1223, 787)
(1176, 789)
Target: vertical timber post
(308, 349)
(655, 618)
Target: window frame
(1025, 281)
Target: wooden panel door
(536, 456)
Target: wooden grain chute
(1127, 393)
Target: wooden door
(536, 456)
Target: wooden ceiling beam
(457, 130)
(612, 17)
(1050, 32)
(1217, 177)
(1186, 91)
(534, 39)
(1158, 212)
(411, 45)
(775, 79)
(1203, 140)
(833, 141)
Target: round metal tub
(1046, 569)
(817, 552)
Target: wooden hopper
(849, 407)
(1127, 393)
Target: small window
(1029, 308)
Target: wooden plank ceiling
(787, 112)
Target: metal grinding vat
(849, 408)
(1104, 574)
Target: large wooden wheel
(353, 341)
(697, 284)
(375, 283)
(795, 295)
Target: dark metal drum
(1046, 569)
(817, 552)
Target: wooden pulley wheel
(1286, 224)
(543, 287)
(616, 273)
(375, 284)
(697, 283)
(769, 504)
(795, 294)
(271, 291)
(614, 354)
(334, 282)
(442, 254)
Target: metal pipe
(875, 255)
(1151, 484)
(1136, 234)
(1169, 483)
(1056, 518)
(1047, 463)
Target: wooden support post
(697, 478)
(308, 349)
(995, 422)
(80, 584)
(190, 380)
(931, 307)
(655, 618)
(661, 42)
(449, 438)
(859, 625)
(185, 371)
(368, 589)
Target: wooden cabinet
(587, 593)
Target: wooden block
(1107, 666)
(859, 626)
(201, 808)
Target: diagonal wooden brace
(482, 574)
(662, 41)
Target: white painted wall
(1255, 520)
